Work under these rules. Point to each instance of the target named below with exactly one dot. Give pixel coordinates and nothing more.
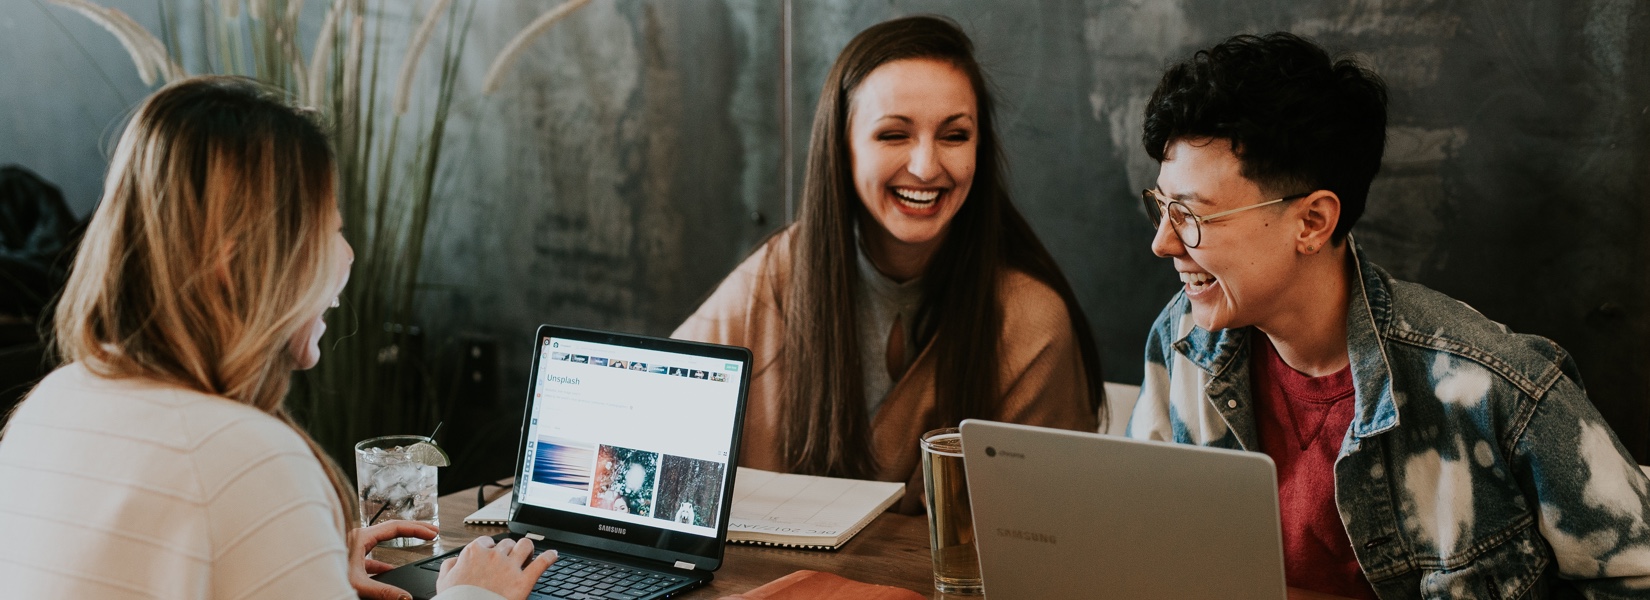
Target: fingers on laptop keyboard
(579, 579)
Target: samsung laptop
(625, 467)
(1063, 514)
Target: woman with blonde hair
(159, 461)
(910, 294)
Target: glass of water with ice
(395, 476)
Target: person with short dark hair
(1422, 450)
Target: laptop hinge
(533, 536)
(682, 564)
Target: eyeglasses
(1188, 225)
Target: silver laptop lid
(1064, 514)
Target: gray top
(878, 303)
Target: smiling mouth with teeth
(918, 199)
(1197, 282)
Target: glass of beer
(950, 521)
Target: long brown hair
(209, 251)
(827, 428)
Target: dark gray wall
(623, 170)
(637, 154)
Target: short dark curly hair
(1297, 120)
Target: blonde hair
(210, 250)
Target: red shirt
(1301, 422)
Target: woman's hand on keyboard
(501, 567)
(361, 568)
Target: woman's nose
(924, 162)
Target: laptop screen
(629, 439)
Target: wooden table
(892, 550)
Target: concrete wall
(638, 152)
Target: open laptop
(1064, 514)
(625, 464)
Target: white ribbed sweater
(136, 489)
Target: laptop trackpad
(418, 581)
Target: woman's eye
(959, 136)
(892, 136)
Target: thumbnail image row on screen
(635, 365)
(638, 482)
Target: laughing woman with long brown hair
(910, 294)
(160, 461)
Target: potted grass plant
(372, 379)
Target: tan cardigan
(1041, 369)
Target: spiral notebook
(804, 511)
(779, 509)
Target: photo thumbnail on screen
(565, 464)
(689, 490)
(624, 480)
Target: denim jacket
(1474, 467)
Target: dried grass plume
(513, 50)
(322, 54)
(415, 48)
(147, 52)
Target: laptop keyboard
(579, 578)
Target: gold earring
(1311, 248)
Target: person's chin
(1202, 321)
(308, 354)
(1209, 319)
(307, 360)
(919, 234)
